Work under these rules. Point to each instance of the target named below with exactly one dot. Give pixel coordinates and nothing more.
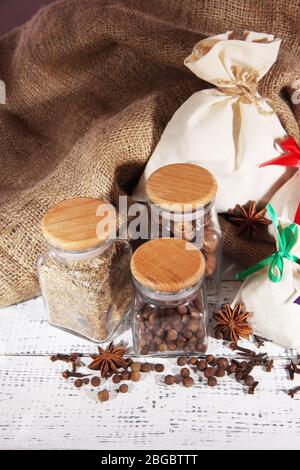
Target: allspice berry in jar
(84, 275)
(181, 199)
(170, 313)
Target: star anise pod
(109, 359)
(232, 322)
(249, 219)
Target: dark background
(16, 12)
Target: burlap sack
(91, 85)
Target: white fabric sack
(287, 199)
(273, 312)
(285, 203)
(222, 133)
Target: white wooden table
(41, 410)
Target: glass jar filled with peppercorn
(181, 202)
(170, 310)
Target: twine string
(244, 87)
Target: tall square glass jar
(170, 309)
(84, 275)
(181, 202)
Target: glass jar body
(200, 227)
(87, 292)
(170, 324)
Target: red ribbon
(297, 216)
(291, 157)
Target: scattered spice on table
(258, 341)
(67, 374)
(78, 383)
(95, 381)
(292, 392)
(112, 365)
(232, 322)
(103, 395)
(109, 359)
(135, 376)
(169, 379)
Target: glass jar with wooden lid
(170, 309)
(84, 275)
(181, 201)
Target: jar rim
(167, 296)
(81, 254)
(178, 216)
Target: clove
(292, 392)
(269, 365)
(251, 389)
(235, 347)
(65, 357)
(259, 341)
(67, 373)
(292, 370)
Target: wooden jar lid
(72, 224)
(167, 265)
(172, 186)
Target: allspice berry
(146, 367)
(172, 335)
(239, 375)
(212, 381)
(169, 379)
(135, 366)
(193, 361)
(210, 358)
(96, 381)
(159, 367)
(103, 395)
(163, 347)
(129, 361)
(125, 375)
(231, 369)
(202, 364)
(219, 334)
(249, 380)
(209, 372)
(86, 380)
(123, 388)
(187, 381)
(181, 361)
(219, 372)
(116, 378)
(185, 372)
(78, 383)
(222, 362)
(135, 376)
(178, 379)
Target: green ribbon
(286, 240)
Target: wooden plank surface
(40, 410)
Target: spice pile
(112, 364)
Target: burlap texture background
(91, 85)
